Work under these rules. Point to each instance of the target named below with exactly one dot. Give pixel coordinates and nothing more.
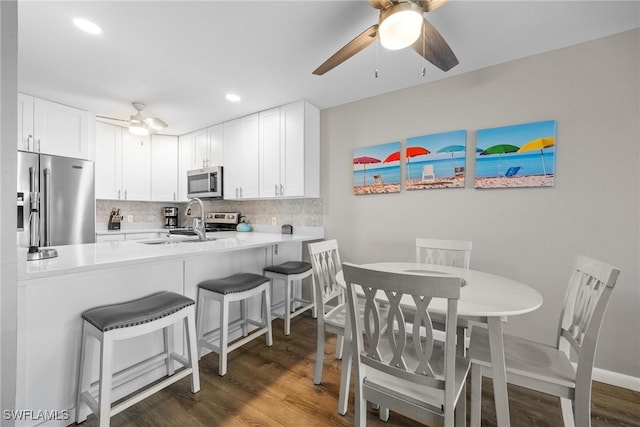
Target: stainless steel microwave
(205, 183)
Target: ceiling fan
(139, 124)
(400, 25)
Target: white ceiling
(181, 57)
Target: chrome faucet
(198, 223)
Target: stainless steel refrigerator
(62, 191)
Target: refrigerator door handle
(47, 206)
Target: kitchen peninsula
(53, 293)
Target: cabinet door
(25, 122)
(215, 135)
(202, 154)
(269, 153)
(136, 167)
(292, 149)
(108, 171)
(232, 159)
(241, 141)
(61, 130)
(185, 163)
(164, 168)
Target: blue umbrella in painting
(499, 149)
(451, 149)
(364, 160)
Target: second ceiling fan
(400, 24)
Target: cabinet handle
(174, 196)
(38, 145)
(125, 194)
(236, 192)
(276, 189)
(240, 192)
(119, 194)
(28, 143)
(281, 190)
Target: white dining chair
(399, 365)
(548, 368)
(332, 312)
(454, 253)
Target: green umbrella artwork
(499, 149)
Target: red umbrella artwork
(409, 153)
(364, 160)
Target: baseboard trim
(616, 379)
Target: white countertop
(94, 256)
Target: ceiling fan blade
(433, 47)
(363, 40)
(381, 4)
(155, 123)
(429, 5)
(111, 118)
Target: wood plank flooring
(273, 387)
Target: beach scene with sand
(516, 156)
(374, 169)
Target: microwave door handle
(47, 206)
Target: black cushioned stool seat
(237, 283)
(240, 287)
(135, 312)
(111, 323)
(292, 272)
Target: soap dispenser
(243, 226)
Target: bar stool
(238, 287)
(111, 323)
(291, 272)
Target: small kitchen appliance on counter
(170, 217)
(214, 221)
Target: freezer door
(25, 162)
(67, 202)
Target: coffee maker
(170, 217)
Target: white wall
(530, 235)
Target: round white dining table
(484, 298)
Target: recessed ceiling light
(88, 26)
(232, 97)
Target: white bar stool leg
(106, 375)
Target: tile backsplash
(297, 212)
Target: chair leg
(244, 310)
(106, 376)
(167, 334)
(567, 415)
(224, 336)
(345, 373)
(287, 306)
(267, 314)
(314, 309)
(84, 380)
(200, 309)
(192, 350)
(317, 370)
(476, 395)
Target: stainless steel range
(214, 221)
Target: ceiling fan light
(400, 25)
(139, 129)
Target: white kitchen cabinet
(136, 166)
(241, 145)
(215, 135)
(185, 163)
(52, 128)
(108, 165)
(164, 168)
(201, 153)
(290, 151)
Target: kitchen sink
(174, 240)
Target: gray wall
(530, 235)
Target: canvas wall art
(516, 156)
(375, 169)
(436, 161)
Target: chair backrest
(427, 170)
(325, 260)
(585, 303)
(454, 253)
(397, 346)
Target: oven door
(205, 183)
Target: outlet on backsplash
(273, 220)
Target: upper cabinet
(164, 168)
(241, 142)
(52, 128)
(289, 154)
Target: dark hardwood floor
(273, 387)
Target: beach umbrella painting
(364, 160)
(452, 149)
(539, 144)
(409, 153)
(499, 149)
